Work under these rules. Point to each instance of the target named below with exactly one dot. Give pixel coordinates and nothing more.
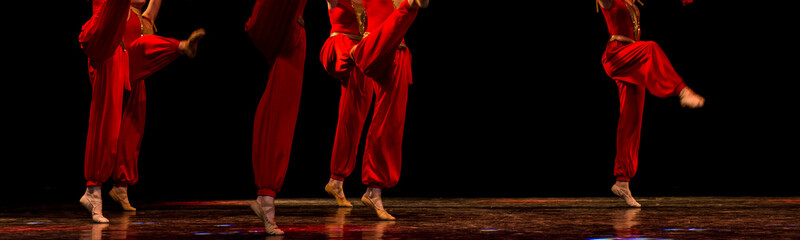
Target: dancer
(635, 66)
(109, 41)
(276, 29)
(383, 56)
(347, 25)
(148, 53)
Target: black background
(509, 100)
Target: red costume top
(344, 18)
(133, 29)
(623, 20)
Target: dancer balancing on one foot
(636, 66)
(384, 58)
(348, 21)
(147, 54)
(110, 40)
(276, 30)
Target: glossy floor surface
(457, 218)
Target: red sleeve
(102, 34)
(686, 2)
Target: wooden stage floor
(422, 218)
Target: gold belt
(351, 36)
(621, 39)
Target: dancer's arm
(152, 9)
(332, 4)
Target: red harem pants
(108, 72)
(148, 54)
(635, 67)
(380, 58)
(354, 103)
(335, 56)
(274, 30)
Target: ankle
(266, 201)
(335, 183)
(182, 46)
(93, 190)
(373, 192)
(685, 91)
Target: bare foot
(691, 99)
(622, 190)
(372, 199)
(93, 202)
(334, 188)
(264, 207)
(189, 46)
(418, 3)
(120, 194)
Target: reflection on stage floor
(450, 218)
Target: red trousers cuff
(266, 192)
(90, 183)
(337, 177)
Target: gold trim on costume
(149, 31)
(145, 29)
(634, 12)
(361, 16)
(351, 36)
(621, 39)
(597, 4)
